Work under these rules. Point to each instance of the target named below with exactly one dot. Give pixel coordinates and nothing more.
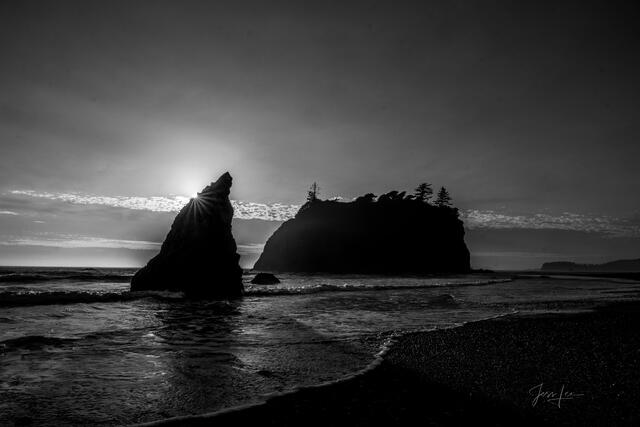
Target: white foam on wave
(26, 297)
(265, 290)
(29, 297)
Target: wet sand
(569, 369)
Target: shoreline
(514, 353)
(378, 359)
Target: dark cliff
(198, 256)
(389, 236)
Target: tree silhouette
(443, 199)
(423, 192)
(391, 196)
(367, 198)
(313, 193)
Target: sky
(113, 113)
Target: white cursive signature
(551, 397)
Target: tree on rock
(443, 198)
(391, 196)
(367, 198)
(313, 193)
(423, 192)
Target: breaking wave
(26, 298)
(266, 290)
(80, 275)
(17, 299)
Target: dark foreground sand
(485, 373)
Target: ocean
(77, 348)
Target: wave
(70, 276)
(262, 290)
(29, 298)
(14, 299)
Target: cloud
(155, 204)
(618, 227)
(473, 218)
(73, 241)
(267, 212)
(242, 209)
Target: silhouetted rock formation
(265, 279)
(621, 266)
(394, 235)
(198, 255)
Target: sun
(190, 185)
(190, 188)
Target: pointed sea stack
(199, 255)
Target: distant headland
(620, 266)
(394, 233)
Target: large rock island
(391, 235)
(199, 255)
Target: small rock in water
(265, 279)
